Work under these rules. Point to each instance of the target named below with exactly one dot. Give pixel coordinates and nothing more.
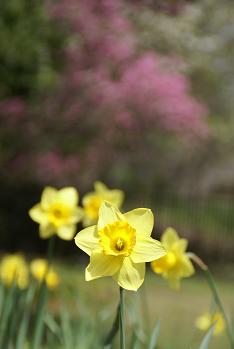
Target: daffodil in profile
(120, 245)
(57, 213)
(14, 269)
(176, 264)
(93, 200)
(40, 270)
(206, 320)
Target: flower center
(117, 239)
(58, 214)
(164, 263)
(119, 245)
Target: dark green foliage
(27, 36)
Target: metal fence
(208, 221)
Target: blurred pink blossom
(109, 94)
(14, 106)
(52, 166)
(116, 80)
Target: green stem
(42, 298)
(214, 291)
(122, 319)
(219, 303)
(50, 250)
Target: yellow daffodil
(206, 320)
(92, 201)
(119, 245)
(14, 269)
(57, 213)
(176, 263)
(39, 269)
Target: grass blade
(115, 327)
(53, 326)
(66, 329)
(2, 294)
(206, 340)
(154, 336)
(6, 312)
(23, 328)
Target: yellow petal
(203, 322)
(141, 219)
(48, 197)
(77, 214)
(100, 187)
(102, 265)
(52, 279)
(186, 266)
(87, 221)
(147, 249)
(169, 238)
(38, 215)
(108, 214)
(39, 268)
(116, 197)
(164, 264)
(130, 276)
(46, 230)
(219, 323)
(66, 232)
(69, 196)
(87, 240)
(182, 245)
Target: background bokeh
(138, 94)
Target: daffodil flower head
(57, 213)
(120, 245)
(93, 200)
(204, 321)
(14, 269)
(40, 270)
(176, 264)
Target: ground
(176, 310)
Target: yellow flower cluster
(176, 264)
(40, 271)
(14, 269)
(118, 244)
(58, 211)
(206, 320)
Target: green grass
(97, 301)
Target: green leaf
(2, 294)
(135, 343)
(66, 329)
(206, 340)
(6, 312)
(53, 326)
(23, 327)
(113, 331)
(39, 318)
(154, 336)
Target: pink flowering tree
(111, 102)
